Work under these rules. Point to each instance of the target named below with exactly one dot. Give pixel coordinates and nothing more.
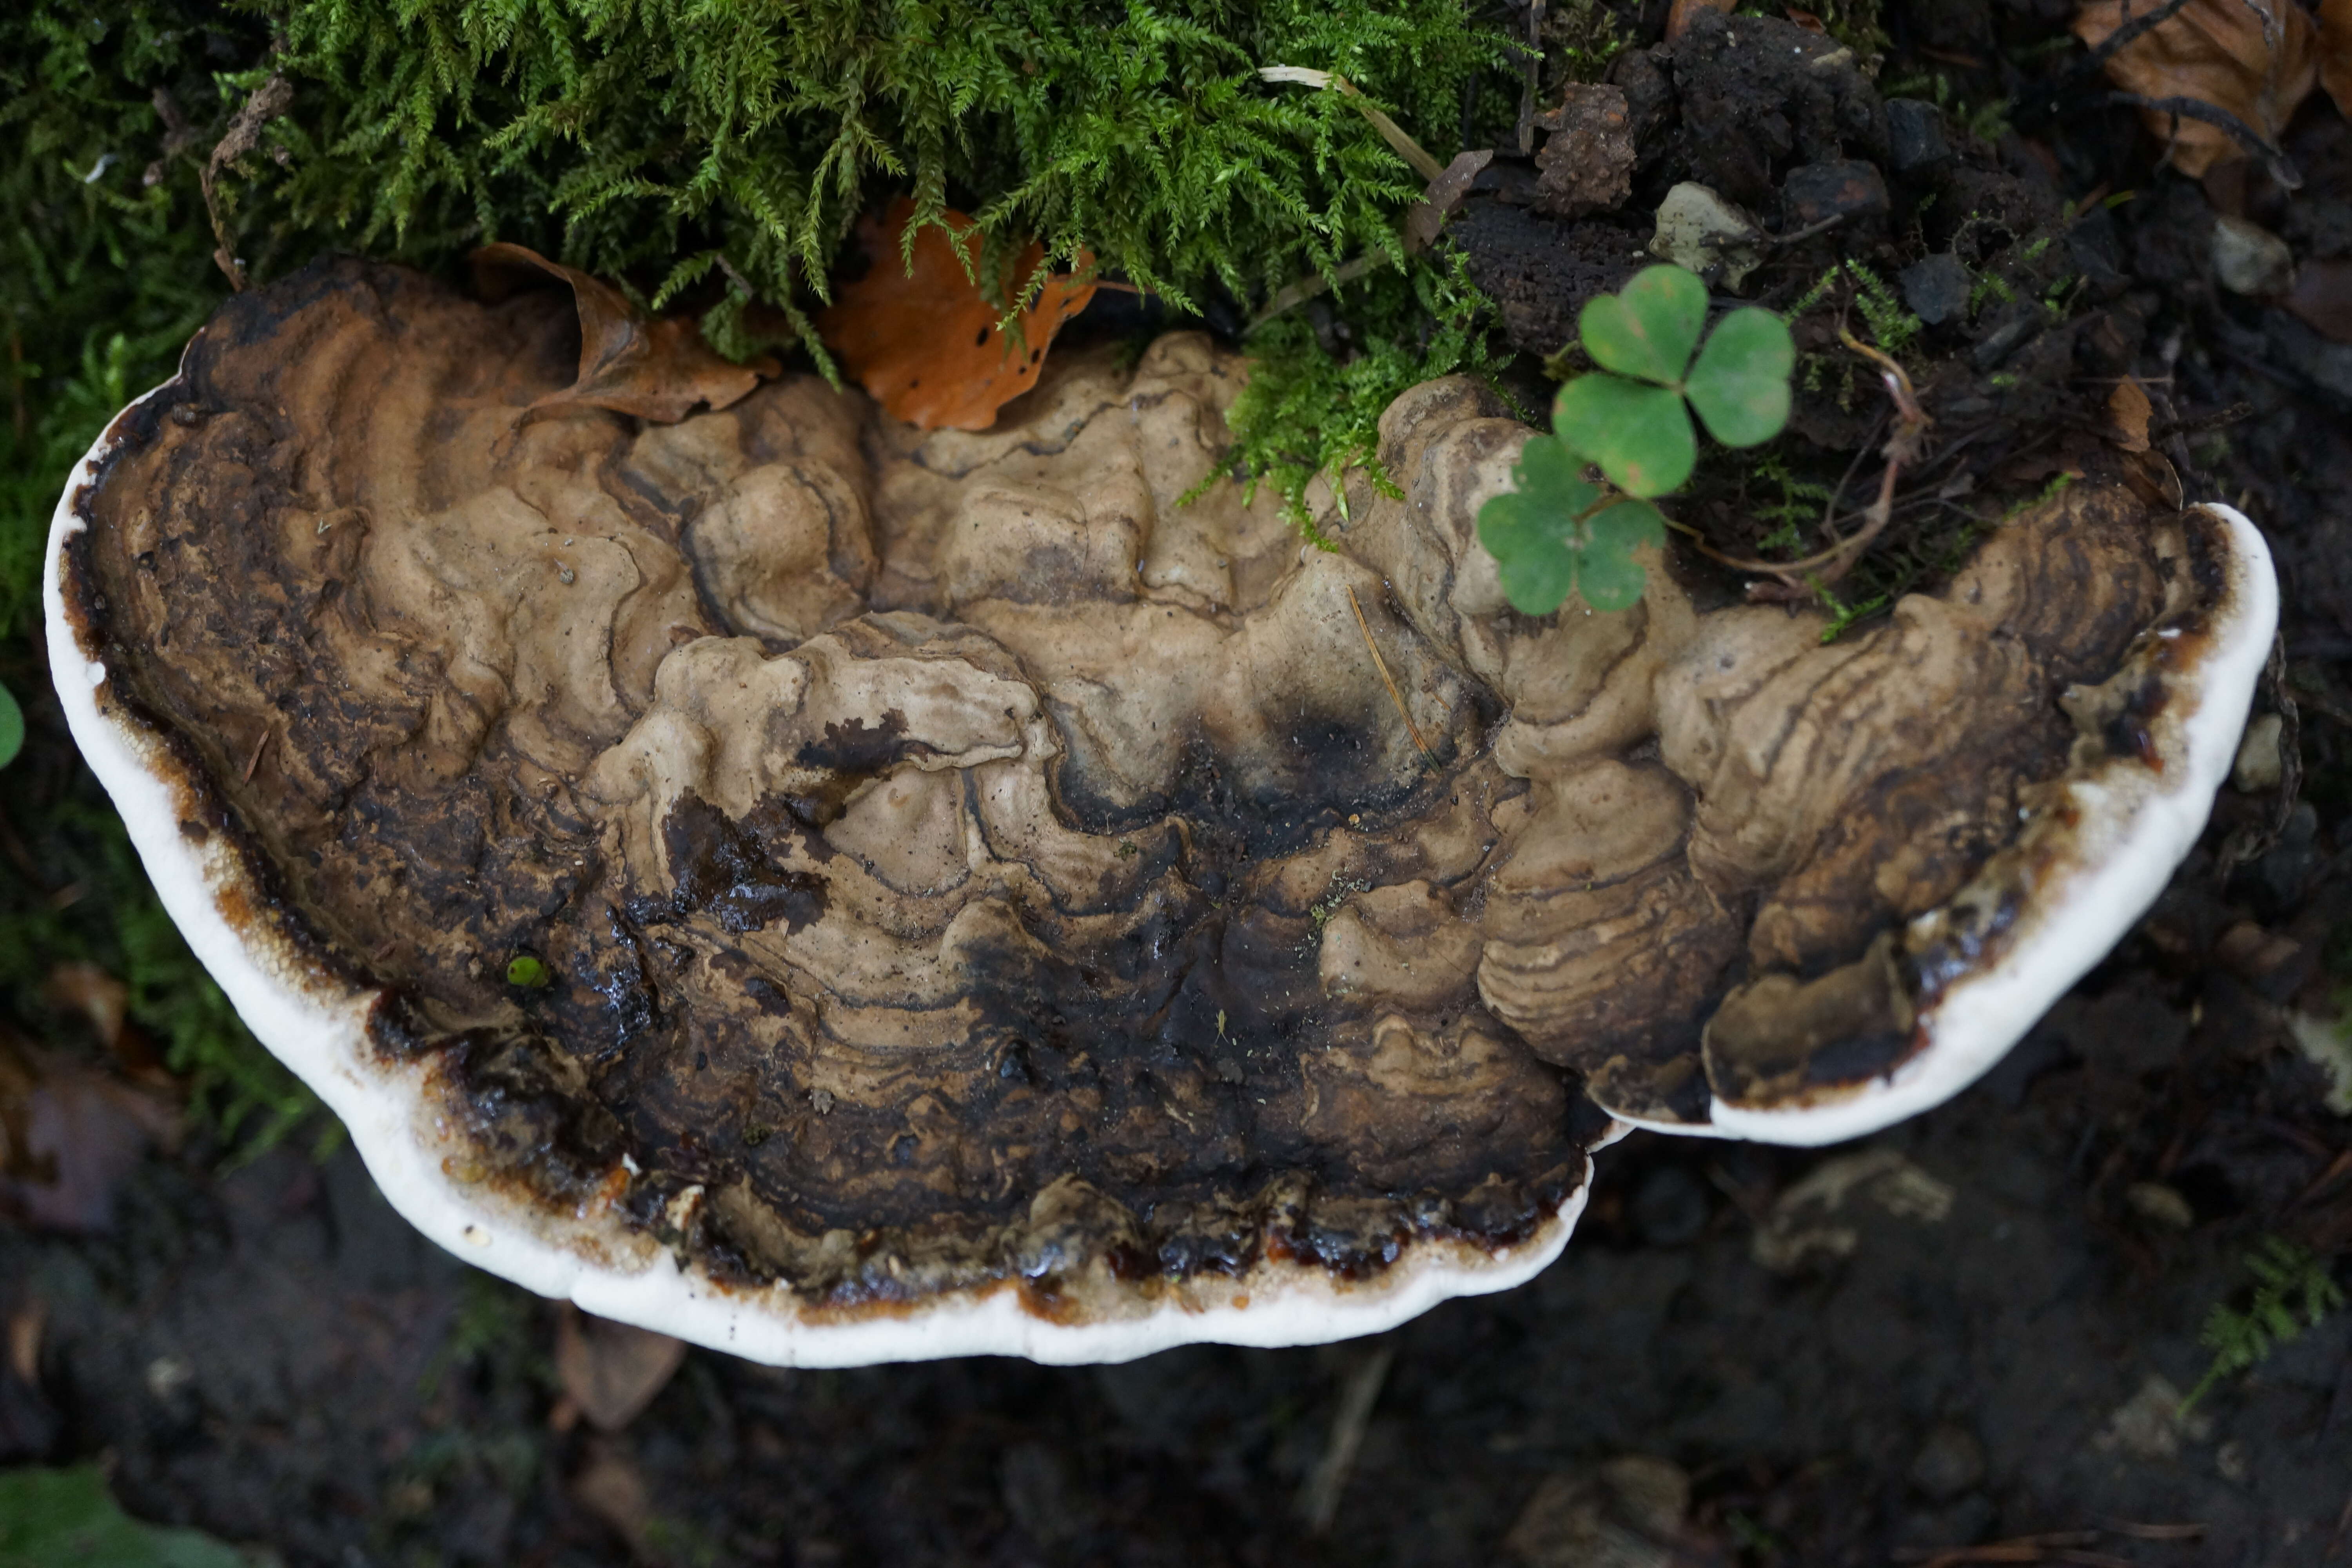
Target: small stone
(2161, 1205)
(2261, 762)
(1915, 137)
(1950, 1462)
(1937, 289)
(1628, 1514)
(1586, 162)
(2149, 1426)
(1814, 193)
(1700, 230)
(2250, 260)
(2006, 333)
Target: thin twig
(2139, 1531)
(1819, 571)
(1306, 287)
(1411, 150)
(270, 99)
(2052, 1546)
(255, 760)
(1806, 232)
(1389, 680)
(1319, 1501)
(1530, 64)
(2238, 131)
(2122, 38)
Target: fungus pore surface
(942, 863)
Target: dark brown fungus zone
(974, 902)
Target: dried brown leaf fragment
(1686, 12)
(2252, 60)
(656, 368)
(921, 336)
(2335, 51)
(610, 1371)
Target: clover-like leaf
(1607, 575)
(1647, 329)
(1531, 529)
(1741, 384)
(1640, 435)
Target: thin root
(1389, 680)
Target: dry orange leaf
(2335, 51)
(610, 1371)
(923, 340)
(2127, 412)
(2255, 59)
(655, 368)
(1685, 12)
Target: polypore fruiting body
(974, 902)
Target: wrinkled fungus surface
(954, 861)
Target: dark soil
(1949, 1357)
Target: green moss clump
(1306, 411)
(684, 144)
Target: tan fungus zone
(1074, 889)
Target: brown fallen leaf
(1427, 216)
(611, 1371)
(922, 339)
(2322, 296)
(25, 1325)
(98, 997)
(2254, 60)
(655, 368)
(2127, 412)
(2335, 51)
(609, 1486)
(271, 100)
(1685, 12)
(68, 1135)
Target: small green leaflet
(1648, 328)
(51, 1518)
(12, 727)
(527, 971)
(1740, 385)
(1639, 435)
(1556, 534)
(1634, 421)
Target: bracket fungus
(840, 893)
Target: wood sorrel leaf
(1741, 384)
(1648, 328)
(1640, 435)
(1532, 529)
(1607, 576)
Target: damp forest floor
(1962, 1340)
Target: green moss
(677, 141)
(104, 109)
(1309, 411)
